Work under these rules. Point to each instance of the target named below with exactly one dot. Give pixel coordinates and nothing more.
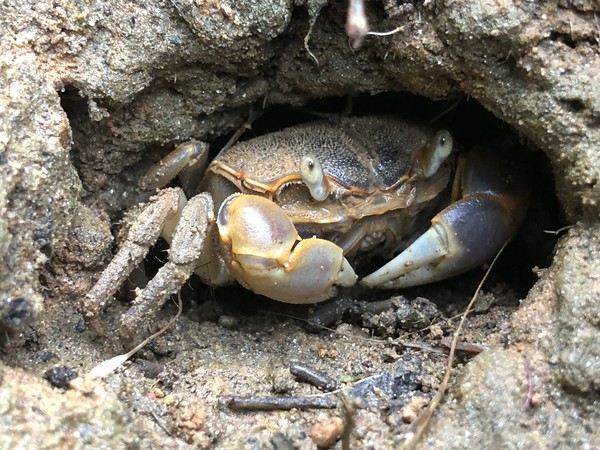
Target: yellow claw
(267, 255)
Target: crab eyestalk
(267, 256)
(314, 178)
(436, 152)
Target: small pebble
(326, 431)
(536, 399)
(226, 321)
(45, 356)
(196, 422)
(60, 376)
(158, 393)
(79, 326)
(412, 409)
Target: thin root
(247, 125)
(423, 420)
(105, 368)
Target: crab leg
(467, 233)
(141, 236)
(185, 161)
(185, 251)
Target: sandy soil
(92, 94)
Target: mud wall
(88, 88)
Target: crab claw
(267, 256)
(466, 234)
(463, 236)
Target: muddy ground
(93, 93)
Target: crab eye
(314, 178)
(444, 143)
(437, 152)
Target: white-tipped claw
(346, 275)
(415, 264)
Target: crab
(290, 215)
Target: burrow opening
(470, 125)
